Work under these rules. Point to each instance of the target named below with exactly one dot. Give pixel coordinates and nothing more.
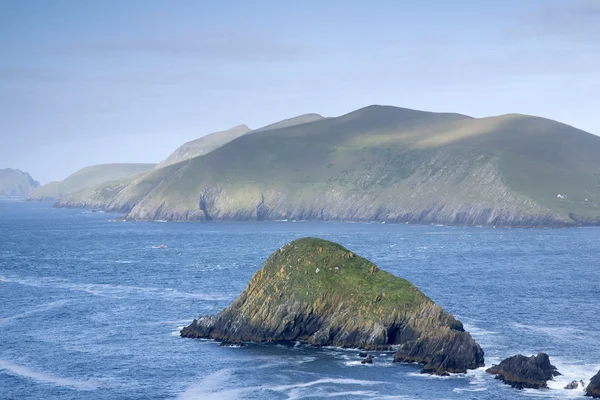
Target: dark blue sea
(90, 309)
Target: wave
(214, 386)
(558, 332)
(36, 310)
(44, 377)
(112, 291)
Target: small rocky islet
(523, 372)
(317, 292)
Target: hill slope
(318, 292)
(203, 145)
(383, 163)
(88, 177)
(16, 183)
(121, 195)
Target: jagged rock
(525, 372)
(349, 303)
(573, 385)
(362, 354)
(593, 388)
(368, 360)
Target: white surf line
(110, 290)
(43, 377)
(36, 310)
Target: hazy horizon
(91, 83)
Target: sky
(91, 82)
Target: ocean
(90, 308)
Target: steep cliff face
(16, 183)
(320, 293)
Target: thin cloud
(24, 74)
(219, 46)
(574, 18)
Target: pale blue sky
(88, 82)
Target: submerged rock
(525, 372)
(318, 292)
(362, 354)
(593, 388)
(368, 360)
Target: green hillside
(203, 145)
(88, 177)
(384, 163)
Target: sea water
(91, 309)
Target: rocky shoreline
(421, 217)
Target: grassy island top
(318, 272)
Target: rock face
(525, 372)
(318, 292)
(16, 183)
(593, 389)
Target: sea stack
(317, 292)
(522, 372)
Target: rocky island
(319, 293)
(523, 372)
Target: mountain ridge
(387, 164)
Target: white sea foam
(37, 376)
(111, 291)
(457, 390)
(33, 311)
(571, 371)
(214, 387)
(559, 332)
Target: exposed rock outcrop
(593, 388)
(572, 385)
(319, 293)
(525, 372)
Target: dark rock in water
(318, 292)
(573, 385)
(525, 372)
(368, 360)
(362, 354)
(593, 389)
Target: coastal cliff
(383, 164)
(318, 292)
(16, 183)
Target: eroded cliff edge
(318, 292)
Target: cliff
(320, 293)
(385, 164)
(16, 183)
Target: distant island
(16, 183)
(317, 292)
(378, 163)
